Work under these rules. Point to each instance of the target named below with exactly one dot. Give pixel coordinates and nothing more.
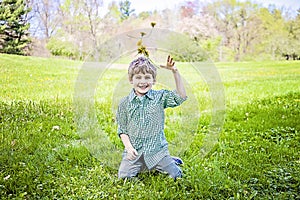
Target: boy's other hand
(131, 154)
(170, 64)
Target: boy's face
(142, 83)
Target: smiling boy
(140, 119)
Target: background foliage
(229, 30)
(14, 27)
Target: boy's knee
(126, 174)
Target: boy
(140, 119)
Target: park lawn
(42, 154)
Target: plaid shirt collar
(132, 95)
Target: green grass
(42, 157)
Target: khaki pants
(166, 165)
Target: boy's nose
(143, 80)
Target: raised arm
(178, 81)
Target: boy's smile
(142, 83)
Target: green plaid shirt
(142, 119)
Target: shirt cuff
(180, 99)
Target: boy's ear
(130, 80)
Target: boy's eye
(138, 77)
(147, 77)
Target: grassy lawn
(42, 155)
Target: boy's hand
(170, 64)
(131, 154)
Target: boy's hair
(141, 64)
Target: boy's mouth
(143, 86)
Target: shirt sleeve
(172, 99)
(122, 117)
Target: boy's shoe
(177, 160)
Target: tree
(184, 48)
(292, 49)
(79, 30)
(46, 17)
(202, 28)
(189, 8)
(238, 25)
(91, 10)
(125, 9)
(14, 27)
(275, 36)
(114, 12)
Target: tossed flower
(142, 50)
(139, 43)
(143, 34)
